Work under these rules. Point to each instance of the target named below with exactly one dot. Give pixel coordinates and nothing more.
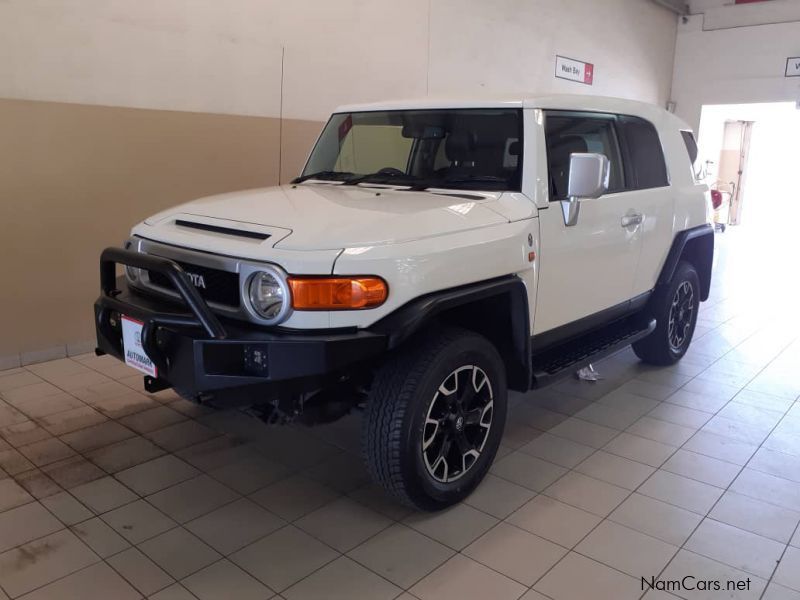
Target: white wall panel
(512, 44)
(733, 66)
(225, 56)
(352, 51)
(186, 55)
(724, 14)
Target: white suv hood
(329, 216)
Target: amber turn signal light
(337, 293)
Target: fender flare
(701, 240)
(413, 316)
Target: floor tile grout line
(455, 551)
(636, 490)
(343, 554)
(84, 456)
(80, 541)
(138, 498)
(131, 583)
(86, 404)
(780, 560)
(337, 557)
(620, 432)
(741, 470)
(340, 554)
(402, 522)
(175, 579)
(327, 441)
(602, 518)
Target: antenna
(280, 120)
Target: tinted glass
(567, 134)
(646, 158)
(691, 148)
(466, 149)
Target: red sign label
(574, 70)
(588, 73)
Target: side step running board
(564, 359)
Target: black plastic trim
(420, 312)
(111, 257)
(196, 354)
(253, 235)
(704, 263)
(578, 328)
(564, 359)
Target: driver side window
(567, 134)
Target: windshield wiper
(421, 186)
(383, 177)
(475, 178)
(325, 175)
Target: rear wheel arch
(675, 308)
(695, 246)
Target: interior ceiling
(677, 6)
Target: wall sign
(574, 70)
(793, 66)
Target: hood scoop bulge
(242, 233)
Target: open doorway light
(750, 153)
(760, 252)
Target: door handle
(632, 219)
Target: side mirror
(588, 179)
(588, 176)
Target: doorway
(755, 256)
(749, 152)
(733, 169)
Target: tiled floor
(108, 492)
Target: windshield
(478, 149)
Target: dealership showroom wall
(624, 479)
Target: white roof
(579, 102)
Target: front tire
(435, 417)
(675, 309)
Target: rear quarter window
(691, 149)
(645, 155)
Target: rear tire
(435, 417)
(675, 307)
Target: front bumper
(201, 357)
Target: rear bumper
(200, 356)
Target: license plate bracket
(132, 348)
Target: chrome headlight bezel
(132, 274)
(250, 303)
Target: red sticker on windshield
(345, 127)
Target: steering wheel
(391, 172)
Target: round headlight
(132, 272)
(269, 295)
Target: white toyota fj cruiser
(432, 255)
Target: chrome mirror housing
(589, 175)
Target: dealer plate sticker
(135, 356)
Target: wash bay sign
(793, 66)
(574, 70)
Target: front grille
(221, 287)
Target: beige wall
(74, 178)
(114, 110)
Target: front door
(590, 266)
